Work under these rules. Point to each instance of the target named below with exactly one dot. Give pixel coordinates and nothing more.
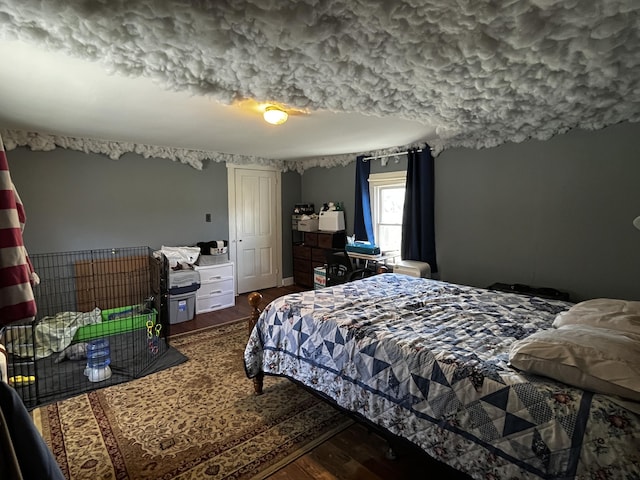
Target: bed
(431, 362)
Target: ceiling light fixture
(275, 115)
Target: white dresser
(216, 287)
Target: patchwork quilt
(428, 361)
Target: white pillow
(610, 313)
(591, 358)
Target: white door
(255, 226)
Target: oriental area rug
(198, 420)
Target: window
(387, 205)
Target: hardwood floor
(242, 309)
(356, 453)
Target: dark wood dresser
(311, 252)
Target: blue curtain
(418, 226)
(363, 225)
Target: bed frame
(255, 299)
(466, 397)
(394, 442)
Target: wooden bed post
(254, 300)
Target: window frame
(377, 182)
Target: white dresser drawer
(215, 273)
(215, 302)
(215, 288)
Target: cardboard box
(319, 278)
(309, 225)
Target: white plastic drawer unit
(215, 273)
(216, 287)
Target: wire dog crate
(102, 319)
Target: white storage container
(331, 221)
(217, 287)
(182, 281)
(204, 260)
(294, 221)
(413, 268)
(308, 225)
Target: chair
(341, 270)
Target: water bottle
(98, 360)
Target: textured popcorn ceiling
(372, 75)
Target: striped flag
(16, 271)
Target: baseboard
(286, 282)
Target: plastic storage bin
(413, 268)
(182, 307)
(114, 321)
(205, 260)
(308, 225)
(331, 221)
